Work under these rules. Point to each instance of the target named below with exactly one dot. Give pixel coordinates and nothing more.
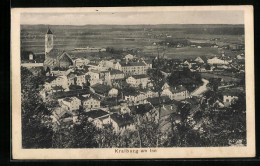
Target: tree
(36, 123)
(158, 80)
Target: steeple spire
(49, 31)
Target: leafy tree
(158, 80)
(36, 124)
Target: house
(150, 93)
(146, 110)
(113, 92)
(125, 109)
(76, 79)
(176, 93)
(217, 60)
(31, 57)
(78, 93)
(57, 114)
(165, 86)
(101, 89)
(155, 100)
(202, 59)
(61, 72)
(134, 98)
(137, 80)
(91, 102)
(98, 118)
(129, 57)
(149, 63)
(169, 115)
(241, 56)
(189, 63)
(70, 103)
(132, 68)
(93, 77)
(106, 64)
(229, 97)
(121, 123)
(116, 74)
(53, 81)
(104, 75)
(80, 62)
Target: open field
(139, 37)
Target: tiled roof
(100, 88)
(54, 53)
(79, 92)
(96, 114)
(140, 76)
(133, 64)
(141, 109)
(155, 101)
(113, 72)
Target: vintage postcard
(132, 82)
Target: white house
(91, 102)
(176, 93)
(79, 62)
(116, 74)
(56, 81)
(202, 59)
(98, 118)
(129, 57)
(117, 66)
(121, 123)
(229, 97)
(216, 60)
(113, 92)
(70, 103)
(137, 80)
(135, 98)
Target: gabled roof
(141, 109)
(178, 89)
(92, 96)
(155, 101)
(122, 120)
(139, 76)
(96, 114)
(113, 72)
(100, 88)
(54, 53)
(64, 94)
(204, 58)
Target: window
(227, 100)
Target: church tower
(48, 41)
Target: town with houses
(117, 90)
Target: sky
(135, 18)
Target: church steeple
(49, 31)
(48, 41)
